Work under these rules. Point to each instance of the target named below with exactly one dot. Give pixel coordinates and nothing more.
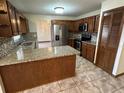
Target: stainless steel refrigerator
(59, 35)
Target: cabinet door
(71, 42)
(84, 50)
(23, 25)
(90, 52)
(3, 6)
(13, 20)
(77, 23)
(71, 26)
(109, 39)
(18, 21)
(91, 24)
(97, 23)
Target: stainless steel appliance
(59, 35)
(77, 44)
(83, 27)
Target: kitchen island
(28, 68)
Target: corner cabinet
(9, 20)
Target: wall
(42, 25)
(107, 5)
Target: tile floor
(88, 79)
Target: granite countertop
(21, 55)
(90, 42)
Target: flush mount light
(59, 10)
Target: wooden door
(13, 20)
(111, 29)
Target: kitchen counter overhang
(26, 55)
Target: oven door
(78, 45)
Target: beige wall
(121, 64)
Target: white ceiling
(46, 7)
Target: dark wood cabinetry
(3, 7)
(88, 51)
(91, 24)
(10, 22)
(97, 19)
(111, 29)
(77, 24)
(71, 42)
(73, 26)
(12, 14)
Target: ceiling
(46, 7)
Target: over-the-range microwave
(83, 27)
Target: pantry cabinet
(111, 29)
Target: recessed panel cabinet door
(111, 29)
(13, 19)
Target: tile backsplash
(8, 44)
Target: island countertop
(27, 55)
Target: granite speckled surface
(89, 42)
(26, 55)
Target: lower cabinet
(88, 51)
(71, 42)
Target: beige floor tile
(80, 78)
(104, 86)
(89, 88)
(51, 88)
(66, 83)
(72, 90)
(96, 74)
(119, 91)
(33, 90)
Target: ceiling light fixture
(59, 10)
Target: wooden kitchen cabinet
(111, 29)
(3, 7)
(88, 51)
(71, 42)
(97, 19)
(77, 24)
(12, 14)
(10, 24)
(71, 27)
(22, 23)
(91, 22)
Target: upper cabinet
(91, 24)
(3, 7)
(73, 26)
(22, 23)
(10, 21)
(12, 14)
(97, 18)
